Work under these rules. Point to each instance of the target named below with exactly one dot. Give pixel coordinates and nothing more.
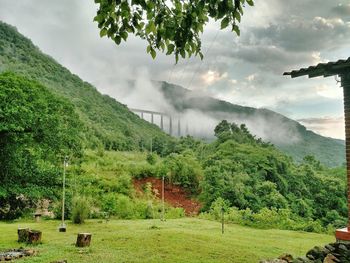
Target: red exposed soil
(173, 195)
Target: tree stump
(83, 240)
(23, 234)
(37, 217)
(34, 236)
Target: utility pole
(222, 220)
(163, 214)
(62, 227)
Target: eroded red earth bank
(173, 194)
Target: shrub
(57, 207)
(174, 212)
(151, 158)
(80, 209)
(124, 207)
(108, 203)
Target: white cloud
(327, 126)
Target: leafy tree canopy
(171, 26)
(37, 129)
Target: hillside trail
(174, 195)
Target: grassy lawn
(179, 240)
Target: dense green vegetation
(330, 152)
(37, 129)
(252, 180)
(109, 124)
(181, 240)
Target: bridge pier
(161, 122)
(162, 116)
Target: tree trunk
(23, 234)
(34, 237)
(83, 240)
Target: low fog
(139, 91)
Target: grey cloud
(342, 10)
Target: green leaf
(153, 53)
(201, 55)
(238, 16)
(236, 29)
(171, 48)
(124, 35)
(117, 40)
(250, 2)
(225, 22)
(182, 53)
(103, 32)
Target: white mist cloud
(327, 126)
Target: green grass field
(179, 240)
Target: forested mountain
(110, 124)
(107, 122)
(288, 135)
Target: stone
(301, 260)
(342, 248)
(286, 257)
(330, 259)
(29, 252)
(273, 261)
(316, 253)
(330, 247)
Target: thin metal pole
(163, 214)
(161, 122)
(222, 221)
(64, 188)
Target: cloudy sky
(276, 36)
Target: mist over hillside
(200, 113)
(117, 128)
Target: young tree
(172, 26)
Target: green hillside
(295, 140)
(107, 122)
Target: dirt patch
(173, 194)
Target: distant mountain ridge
(288, 135)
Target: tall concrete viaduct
(166, 120)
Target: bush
(80, 209)
(265, 218)
(108, 203)
(124, 207)
(57, 207)
(151, 158)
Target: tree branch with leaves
(169, 26)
